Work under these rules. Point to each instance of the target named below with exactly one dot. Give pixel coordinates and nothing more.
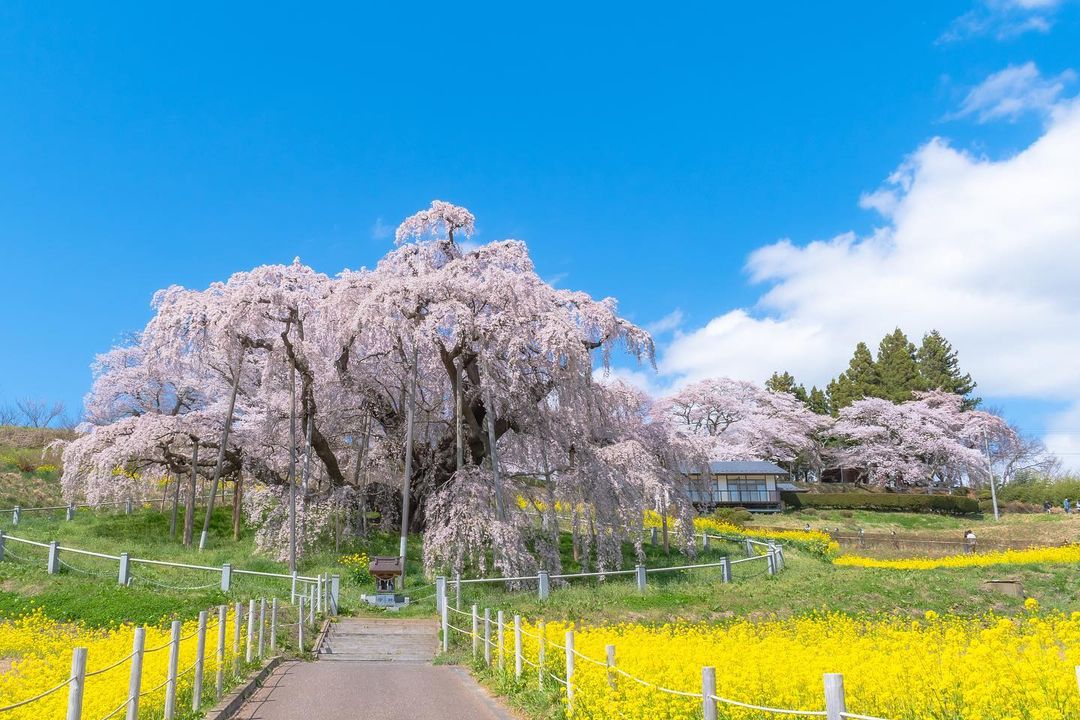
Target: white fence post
(300, 625)
(835, 704)
(54, 558)
(127, 507)
(250, 653)
(725, 569)
(705, 542)
(200, 664)
(15, 515)
(335, 594)
(219, 685)
(541, 652)
(501, 628)
(475, 633)
(487, 636)
(292, 594)
(749, 547)
(76, 684)
(543, 583)
(457, 590)
(641, 578)
(226, 577)
(262, 625)
(311, 604)
(138, 644)
(440, 593)
(445, 619)
(517, 647)
(1, 545)
(273, 626)
(124, 576)
(570, 672)
(610, 653)
(70, 515)
(708, 690)
(238, 617)
(653, 537)
(170, 681)
(318, 595)
(771, 560)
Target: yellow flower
(1034, 555)
(1031, 604)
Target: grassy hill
(26, 477)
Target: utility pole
(221, 451)
(990, 471)
(406, 486)
(292, 469)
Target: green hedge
(949, 504)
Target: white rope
(854, 716)
(121, 661)
(763, 708)
(173, 587)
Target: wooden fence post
(219, 685)
(273, 626)
(138, 644)
(517, 647)
(610, 651)
(170, 681)
(248, 656)
(77, 684)
(501, 628)
(262, 625)
(200, 664)
(835, 704)
(570, 672)
(708, 690)
(487, 636)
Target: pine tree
(939, 368)
(860, 380)
(785, 383)
(898, 373)
(817, 402)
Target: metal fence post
(318, 595)
(1, 544)
(54, 558)
(708, 690)
(335, 594)
(124, 576)
(70, 515)
(138, 644)
(238, 617)
(457, 590)
(835, 705)
(273, 626)
(725, 569)
(517, 647)
(262, 625)
(226, 577)
(219, 685)
(641, 578)
(127, 507)
(174, 660)
(610, 652)
(541, 652)
(440, 593)
(249, 654)
(475, 633)
(300, 625)
(311, 604)
(771, 561)
(200, 664)
(292, 594)
(501, 629)
(15, 515)
(749, 547)
(77, 684)
(543, 583)
(570, 672)
(487, 636)
(444, 617)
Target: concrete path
(377, 669)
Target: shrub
(734, 515)
(948, 504)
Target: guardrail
(225, 665)
(319, 585)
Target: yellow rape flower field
(937, 668)
(1053, 555)
(39, 651)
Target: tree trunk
(175, 508)
(238, 494)
(189, 511)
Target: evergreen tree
(939, 368)
(817, 402)
(897, 370)
(785, 383)
(860, 380)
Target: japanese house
(751, 484)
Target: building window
(748, 491)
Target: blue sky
(642, 153)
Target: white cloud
(986, 251)
(1004, 19)
(672, 321)
(1014, 91)
(380, 230)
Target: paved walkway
(377, 669)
